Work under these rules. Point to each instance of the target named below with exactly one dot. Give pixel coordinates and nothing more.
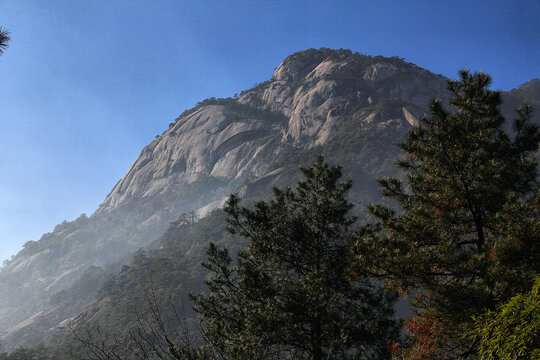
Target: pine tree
(292, 295)
(4, 39)
(462, 240)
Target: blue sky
(85, 85)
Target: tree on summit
(465, 237)
(292, 295)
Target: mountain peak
(325, 61)
(301, 63)
(316, 88)
(533, 82)
(528, 92)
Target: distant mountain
(352, 108)
(527, 93)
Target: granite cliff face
(238, 139)
(314, 88)
(316, 101)
(215, 141)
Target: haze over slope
(351, 107)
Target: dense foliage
(466, 235)
(512, 332)
(291, 295)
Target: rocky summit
(351, 107)
(233, 139)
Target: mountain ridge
(350, 106)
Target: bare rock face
(380, 71)
(211, 141)
(409, 117)
(315, 88)
(308, 95)
(298, 65)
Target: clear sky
(85, 85)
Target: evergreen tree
(4, 39)
(292, 295)
(464, 238)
